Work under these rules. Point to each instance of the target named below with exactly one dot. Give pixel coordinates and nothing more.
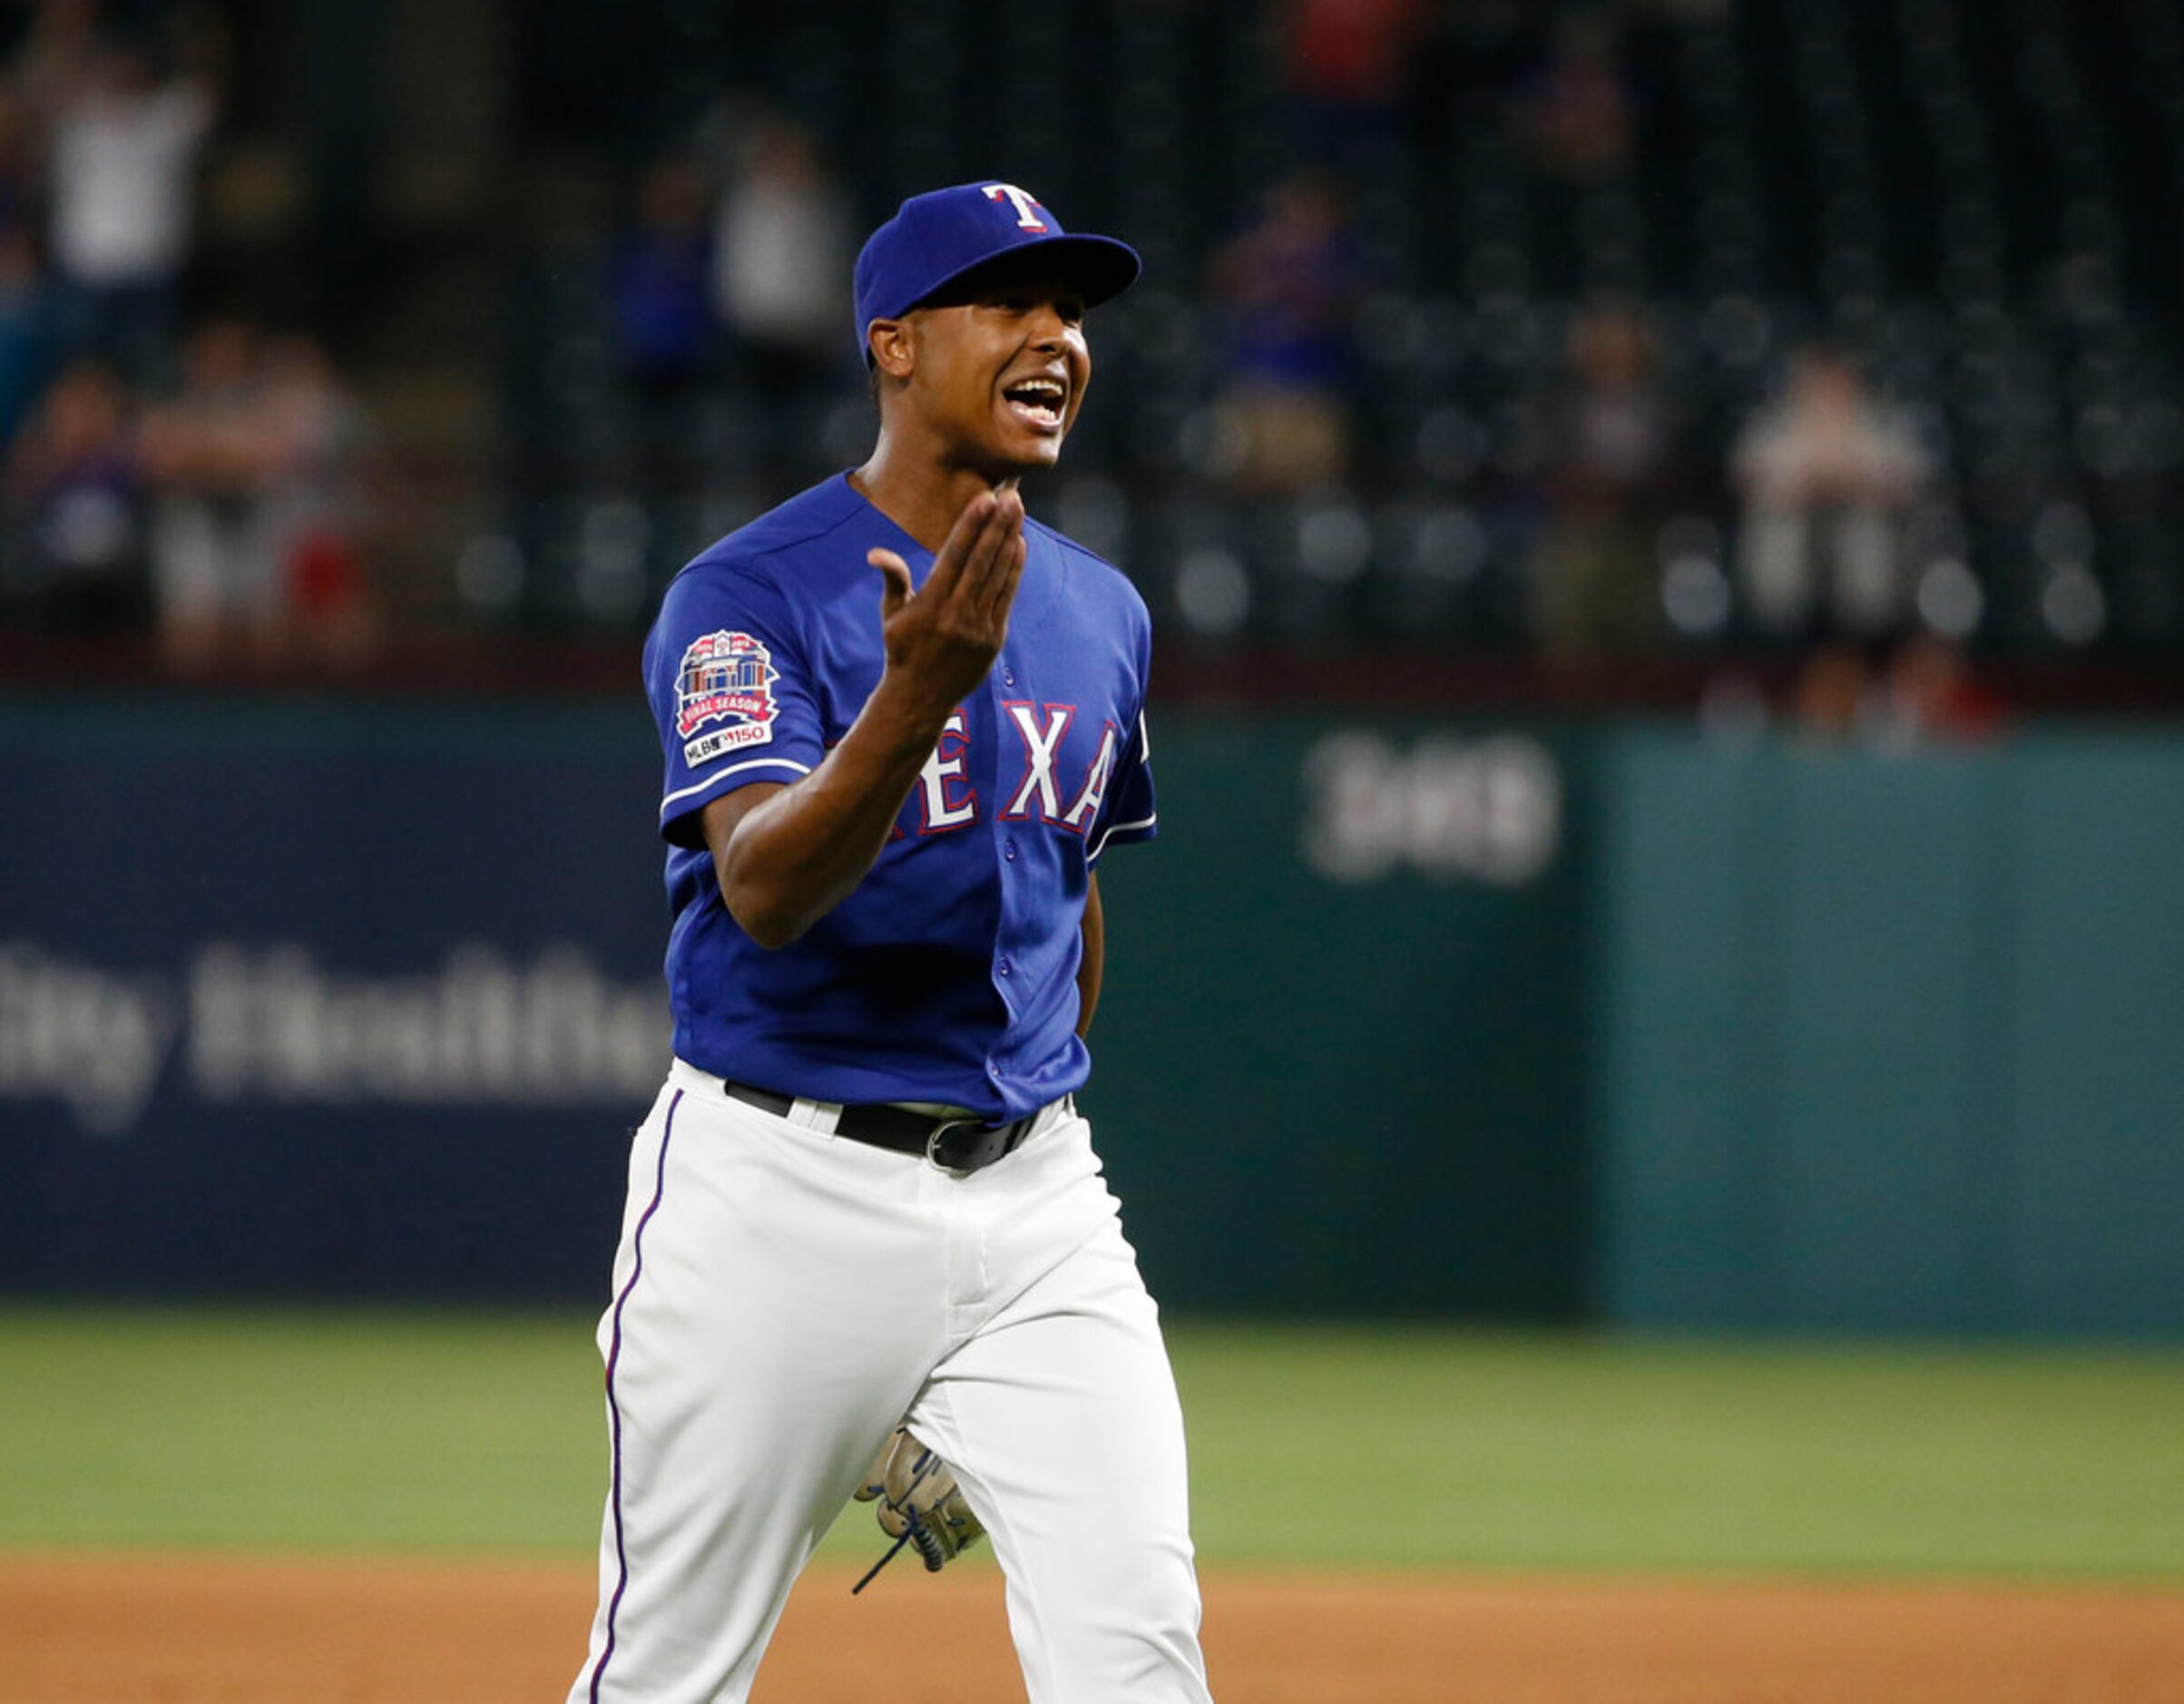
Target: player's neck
(918, 494)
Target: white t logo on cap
(1024, 203)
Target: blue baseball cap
(939, 237)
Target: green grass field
(1407, 1447)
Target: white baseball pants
(783, 1299)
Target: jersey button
(1008, 850)
(1002, 965)
(992, 1069)
(1007, 678)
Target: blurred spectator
(1833, 696)
(27, 328)
(1924, 694)
(76, 499)
(1828, 473)
(211, 451)
(1349, 66)
(1575, 121)
(1930, 696)
(1611, 469)
(125, 145)
(660, 282)
(782, 248)
(324, 484)
(1291, 285)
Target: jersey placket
(1013, 856)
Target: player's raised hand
(941, 640)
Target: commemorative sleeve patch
(724, 697)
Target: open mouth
(1037, 401)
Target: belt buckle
(933, 1140)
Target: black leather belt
(955, 1144)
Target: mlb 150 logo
(727, 677)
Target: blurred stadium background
(1666, 525)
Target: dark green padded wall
(1334, 1096)
(1891, 1041)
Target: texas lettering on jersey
(947, 799)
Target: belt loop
(820, 1116)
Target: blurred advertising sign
(272, 1022)
(1487, 808)
(316, 997)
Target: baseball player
(902, 724)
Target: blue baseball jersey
(949, 974)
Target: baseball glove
(919, 1504)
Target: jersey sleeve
(1130, 812)
(730, 693)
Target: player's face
(1002, 367)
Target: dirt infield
(213, 1631)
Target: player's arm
(785, 855)
(1093, 962)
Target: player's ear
(892, 347)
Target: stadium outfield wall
(1577, 1020)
